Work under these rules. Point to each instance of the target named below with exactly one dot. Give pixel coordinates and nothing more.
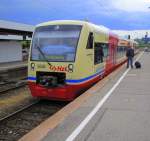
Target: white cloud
(102, 7)
(132, 5)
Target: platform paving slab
(122, 125)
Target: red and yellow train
(67, 57)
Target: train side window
(90, 41)
(100, 52)
(105, 49)
(121, 50)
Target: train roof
(99, 28)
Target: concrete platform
(122, 116)
(13, 70)
(12, 65)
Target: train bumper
(65, 93)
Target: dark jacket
(130, 52)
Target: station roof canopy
(13, 28)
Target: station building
(11, 35)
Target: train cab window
(90, 41)
(100, 52)
(55, 43)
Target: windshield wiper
(45, 58)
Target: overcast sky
(114, 14)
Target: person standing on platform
(130, 56)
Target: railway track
(7, 86)
(17, 124)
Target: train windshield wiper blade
(45, 58)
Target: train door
(111, 60)
(99, 54)
(89, 53)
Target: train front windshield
(55, 43)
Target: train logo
(68, 68)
